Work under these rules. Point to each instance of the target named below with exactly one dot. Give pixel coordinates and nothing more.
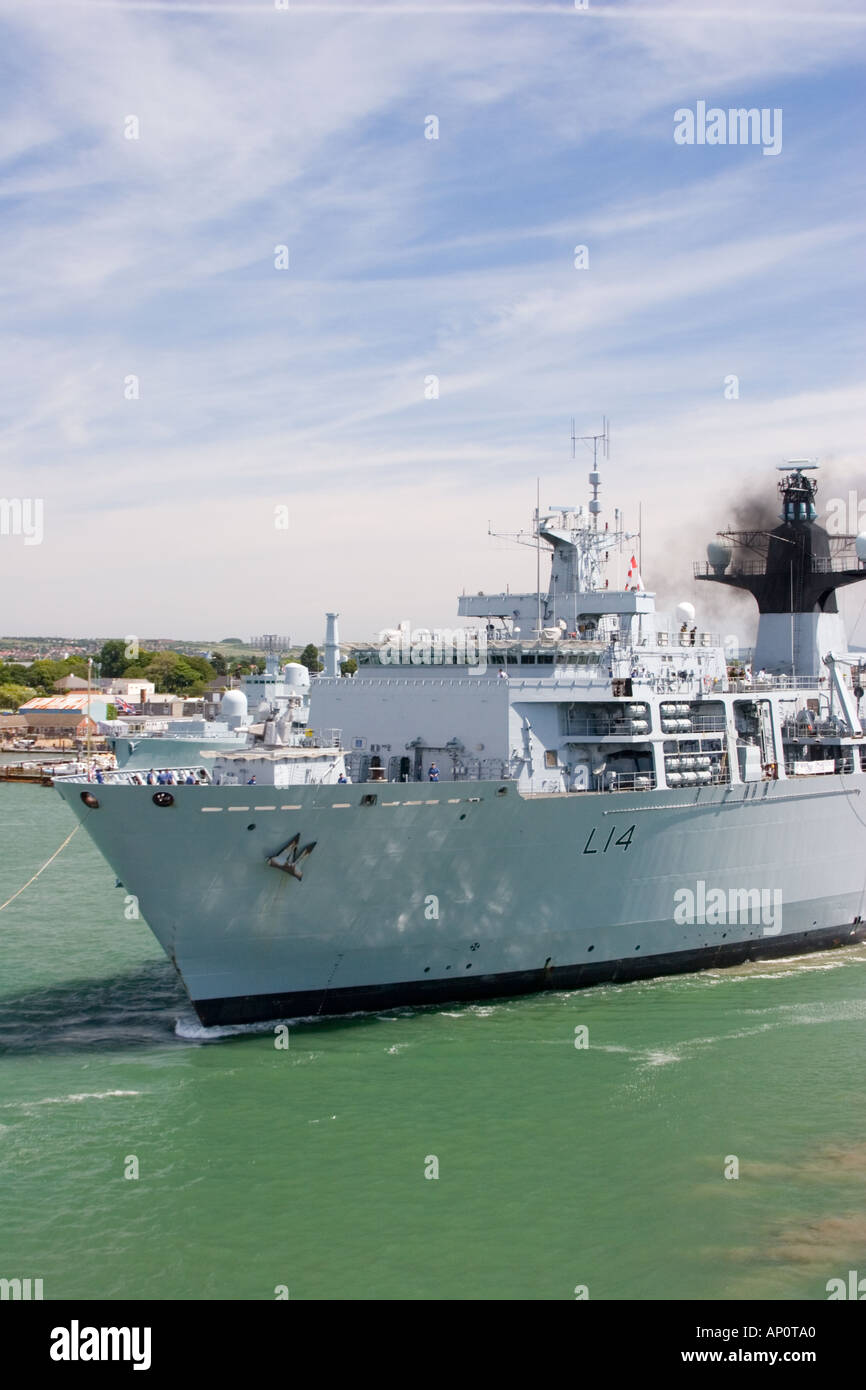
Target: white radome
(719, 555)
(296, 675)
(233, 705)
(685, 612)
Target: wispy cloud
(153, 258)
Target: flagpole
(89, 669)
(538, 549)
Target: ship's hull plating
(457, 891)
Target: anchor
(290, 856)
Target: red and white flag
(633, 581)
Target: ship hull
(414, 894)
(372, 998)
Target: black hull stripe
(258, 1008)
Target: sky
(223, 444)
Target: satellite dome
(234, 702)
(860, 546)
(719, 556)
(234, 708)
(296, 674)
(685, 612)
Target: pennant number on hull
(601, 846)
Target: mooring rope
(39, 871)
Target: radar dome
(233, 708)
(296, 674)
(719, 556)
(860, 546)
(685, 612)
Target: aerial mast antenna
(273, 643)
(538, 549)
(595, 440)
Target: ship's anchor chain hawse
(290, 856)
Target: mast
(578, 549)
(793, 573)
(640, 536)
(89, 669)
(538, 549)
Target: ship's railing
(696, 724)
(697, 777)
(691, 686)
(759, 683)
(625, 781)
(322, 738)
(716, 776)
(606, 728)
(690, 639)
(137, 777)
(494, 655)
(820, 564)
(492, 770)
(601, 727)
(830, 731)
(602, 782)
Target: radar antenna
(595, 477)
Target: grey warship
(569, 789)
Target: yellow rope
(39, 871)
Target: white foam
(661, 1058)
(73, 1099)
(192, 1030)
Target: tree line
(172, 672)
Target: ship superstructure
(569, 789)
(623, 699)
(270, 706)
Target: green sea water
(558, 1166)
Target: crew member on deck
(433, 773)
